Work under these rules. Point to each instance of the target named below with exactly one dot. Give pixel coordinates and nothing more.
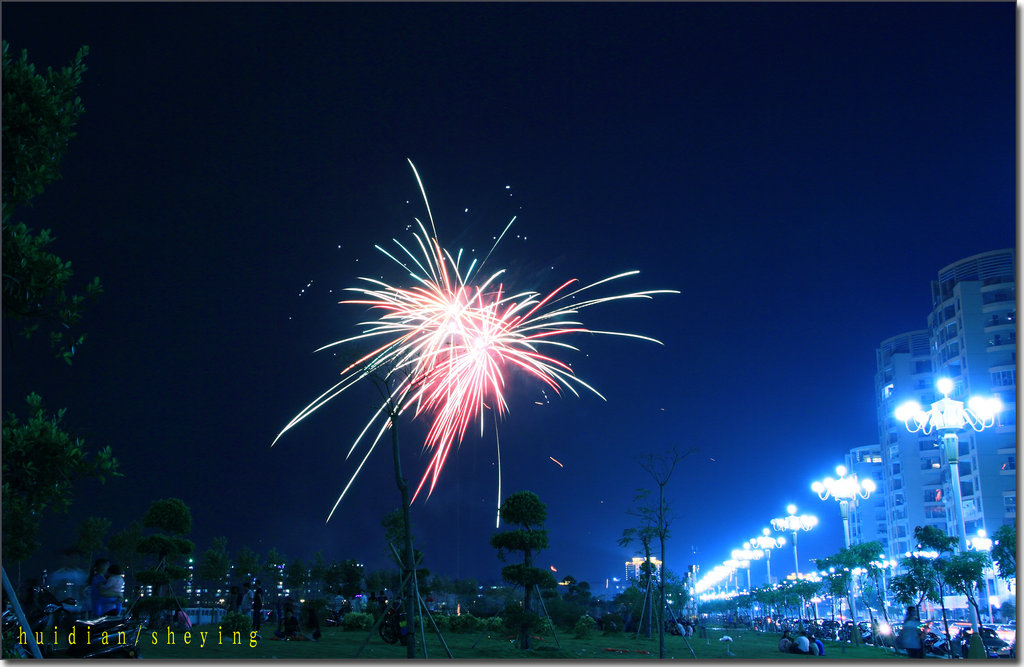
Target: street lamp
(745, 555)
(882, 564)
(845, 490)
(947, 416)
(982, 542)
(794, 523)
(767, 542)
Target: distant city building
(973, 335)
(868, 517)
(912, 469)
(972, 339)
(633, 568)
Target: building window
(895, 468)
(930, 463)
(966, 488)
(928, 445)
(887, 390)
(934, 512)
(1010, 463)
(933, 495)
(1004, 378)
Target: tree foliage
(39, 118)
(40, 113)
(964, 572)
(214, 563)
(525, 510)
(172, 518)
(41, 462)
(124, 545)
(1004, 551)
(350, 577)
(92, 533)
(247, 563)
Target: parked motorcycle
(104, 637)
(935, 644)
(45, 615)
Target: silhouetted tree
(525, 510)
(171, 518)
(91, 534)
(1004, 551)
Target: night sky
(798, 171)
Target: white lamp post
(794, 523)
(982, 542)
(947, 416)
(882, 564)
(745, 555)
(845, 490)
(767, 542)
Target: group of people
(248, 600)
(802, 643)
(106, 588)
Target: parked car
(995, 646)
(1007, 631)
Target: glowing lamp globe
(906, 411)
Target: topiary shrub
(584, 625)
(357, 621)
(235, 622)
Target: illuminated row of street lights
(947, 416)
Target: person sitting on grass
(817, 642)
(801, 644)
(289, 627)
(786, 643)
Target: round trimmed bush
(355, 620)
(584, 625)
(235, 622)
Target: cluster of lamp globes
(949, 414)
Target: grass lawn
(338, 644)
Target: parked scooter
(935, 644)
(45, 616)
(104, 637)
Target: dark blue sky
(799, 171)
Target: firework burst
(446, 342)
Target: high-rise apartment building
(971, 339)
(912, 465)
(973, 336)
(868, 516)
(634, 568)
